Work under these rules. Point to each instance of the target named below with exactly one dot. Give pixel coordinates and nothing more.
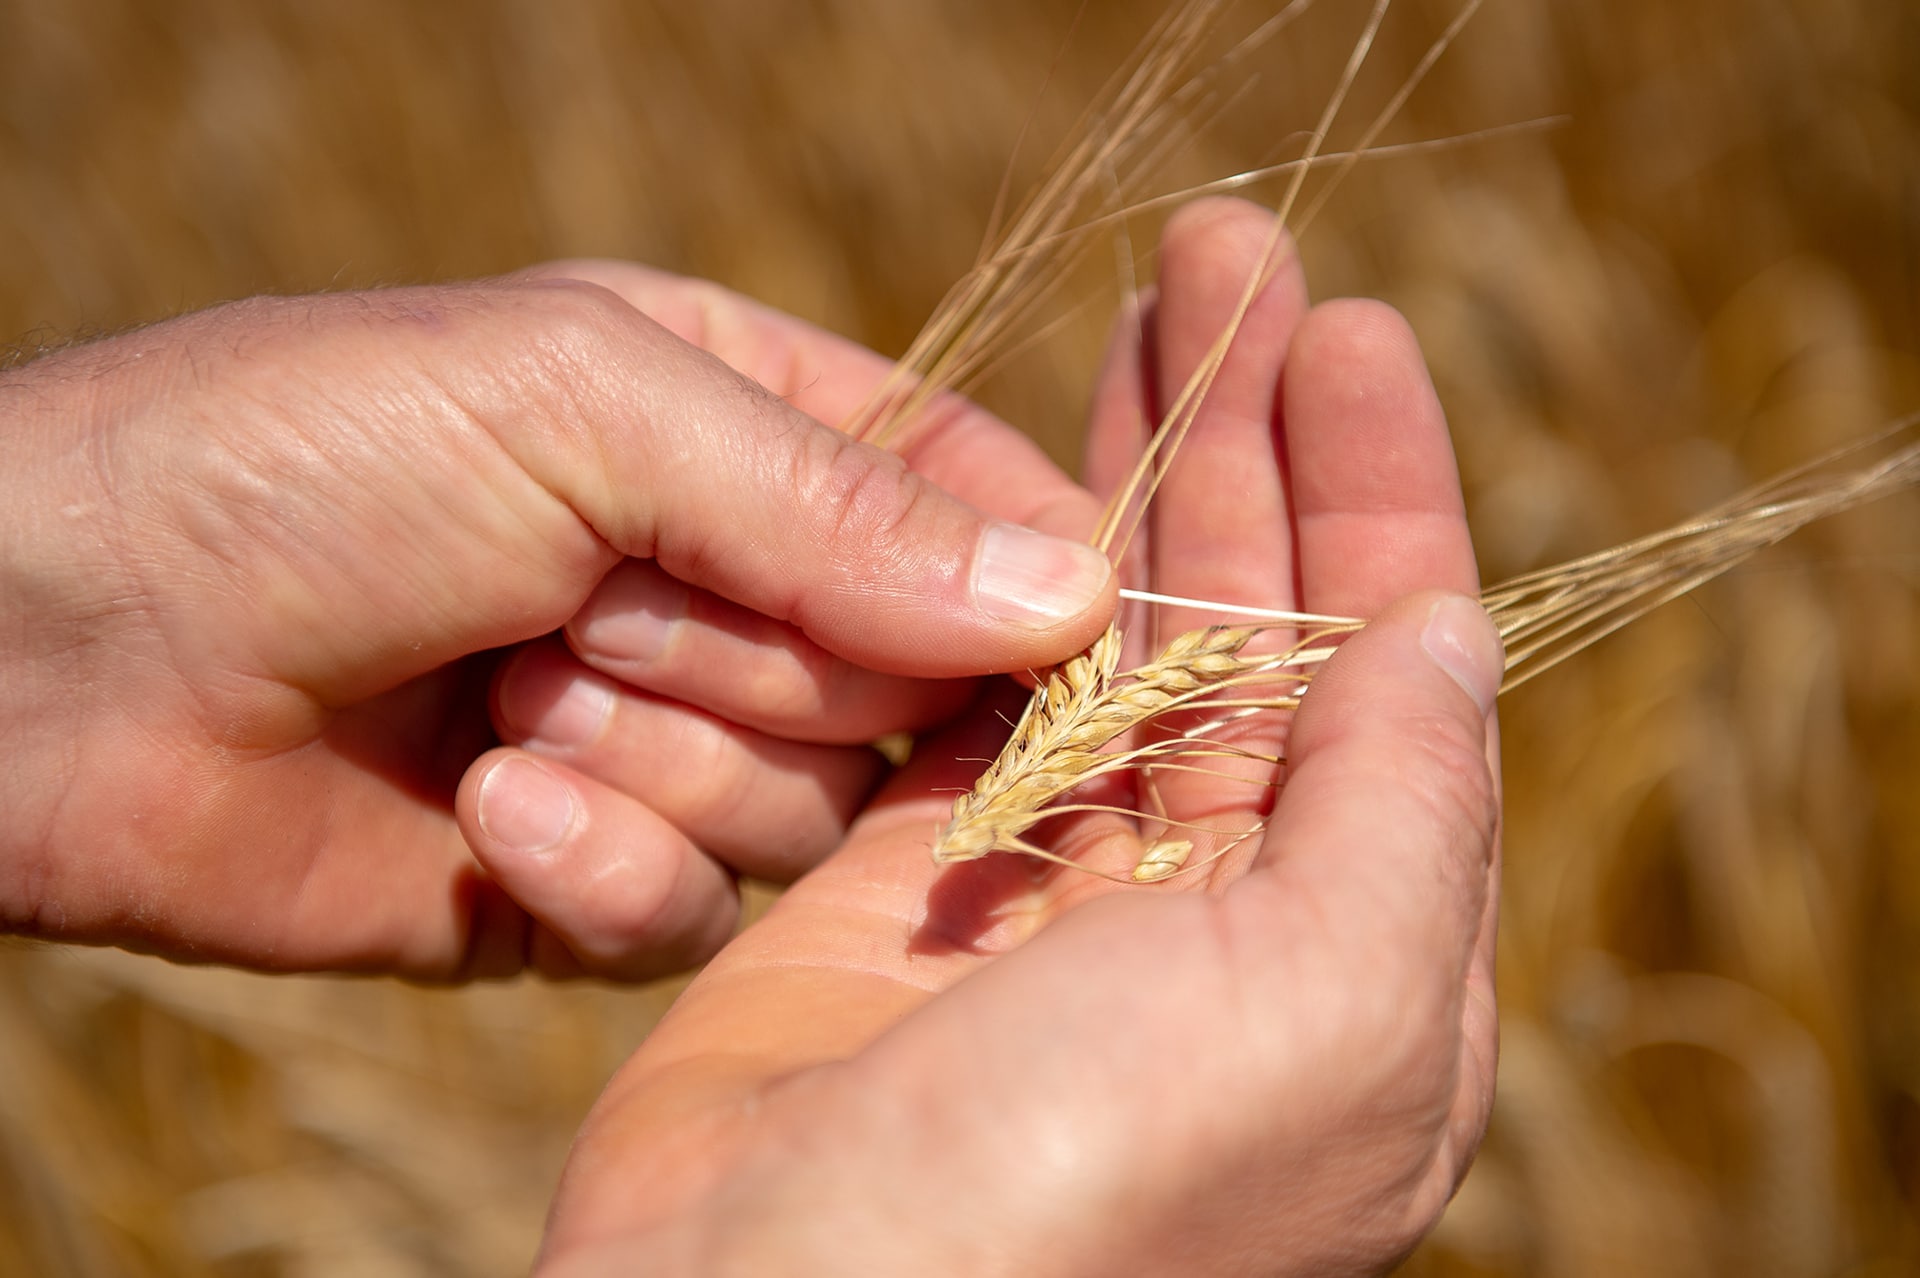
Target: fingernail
(524, 806)
(570, 714)
(633, 616)
(1462, 641)
(1031, 579)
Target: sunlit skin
(981, 1069)
(328, 554)
(268, 564)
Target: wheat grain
(1081, 725)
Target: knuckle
(631, 910)
(565, 295)
(790, 690)
(651, 917)
(862, 497)
(709, 772)
(1453, 778)
(578, 323)
(710, 782)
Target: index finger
(960, 446)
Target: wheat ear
(1089, 719)
(1067, 735)
(1084, 719)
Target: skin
(263, 602)
(1281, 1063)
(983, 1069)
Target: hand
(984, 1069)
(261, 563)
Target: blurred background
(1710, 270)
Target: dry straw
(1088, 719)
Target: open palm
(997, 1068)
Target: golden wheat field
(1709, 270)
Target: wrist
(813, 1189)
(762, 1189)
(65, 600)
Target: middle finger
(767, 807)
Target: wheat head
(1088, 719)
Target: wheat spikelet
(1066, 735)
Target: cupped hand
(269, 570)
(997, 1068)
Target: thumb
(1391, 812)
(680, 459)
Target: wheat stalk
(1088, 719)
(1549, 615)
